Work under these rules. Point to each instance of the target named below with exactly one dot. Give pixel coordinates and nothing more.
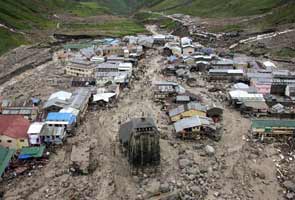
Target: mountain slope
(40, 18)
(213, 8)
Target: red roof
(14, 126)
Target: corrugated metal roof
(66, 117)
(36, 127)
(196, 106)
(55, 102)
(191, 122)
(187, 123)
(80, 97)
(5, 157)
(176, 111)
(53, 131)
(61, 95)
(182, 98)
(273, 123)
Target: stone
(153, 188)
(290, 195)
(164, 187)
(289, 185)
(198, 146)
(210, 151)
(193, 170)
(183, 163)
(196, 190)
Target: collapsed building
(140, 141)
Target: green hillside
(34, 15)
(213, 8)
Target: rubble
(80, 157)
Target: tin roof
(190, 106)
(62, 95)
(53, 131)
(190, 123)
(273, 123)
(5, 157)
(14, 126)
(182, 98)
(67, 117)
(36, 127)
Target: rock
(193, 171)
(183, 163)
(198, 146)
(289, 185)
(171, 196)
(196, 190)
(290, 195)
(210, 151)
(164, 187)
(153, 188)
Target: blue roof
(56, 116)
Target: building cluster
(258, 87)
(26, 129)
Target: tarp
(103, 97)
(31, 152)
(65, 117)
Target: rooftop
(5, 157)
(273, 123)
(14, 126)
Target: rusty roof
(14, 126)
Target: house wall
(188, 114)
(79, 72)
(13, 143)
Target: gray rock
(193, 170)
(153, 188)
(198, 146)
(164, 187)
(183, 163)
(196, 190)
(210, 151)
(290, 195)
(289, 185)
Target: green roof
(32, 152)
(5, 157)
(273, 123)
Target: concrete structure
(13, 131)
(80, 68)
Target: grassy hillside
(126, 7)
(34, 15)
(213, 8)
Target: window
(0, 141)
(9, 141)
(22, 140)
